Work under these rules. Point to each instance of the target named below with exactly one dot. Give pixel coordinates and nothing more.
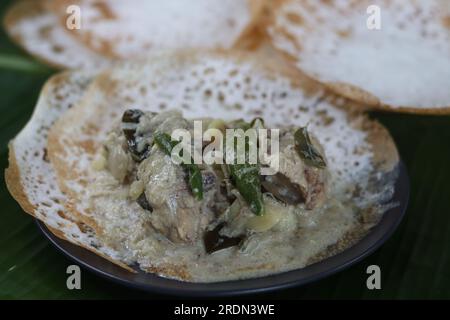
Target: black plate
(150, 282)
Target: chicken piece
(311, 180)
(176, 213)
(118, 161)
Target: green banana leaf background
(415, 262)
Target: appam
(30, 177)
(131, 29)
(362, 156)
(112, 29)
(39, 32)
(404, 66)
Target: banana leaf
(415, 262)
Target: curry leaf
(195, 181)
(306, 149)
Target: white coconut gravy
(169, 238)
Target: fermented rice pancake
(359, 156)
(130, 29)
(30, 177)
(404, 66)
(117, 29)
(40, 33)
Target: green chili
(195, 181)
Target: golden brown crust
(385, 153)
(349, 239)
(255, 35)
(263, 266)
(61, 235)
(361, 97)
(27, 9)
(385, 160)
(14, 185)
(425, 111)
(64, 173)
(24, 9)
(86, 38)
(55, 149)
(248, 38)
(174, 271)
(352, 92)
